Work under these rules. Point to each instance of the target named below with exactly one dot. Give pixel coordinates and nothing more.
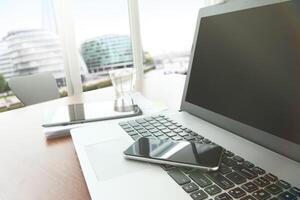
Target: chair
(34, 89)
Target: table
(35, 168)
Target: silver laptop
(242, 92)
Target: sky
(166, 25)
(18, 14)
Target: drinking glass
(123, 81)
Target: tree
(148, 59)
(3, 84)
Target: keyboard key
(177, 138)
(136, 137)
(133, 123)
(220, 180)
(163, 121)
(248, 197)
(123, 124)
(156, 124)
(189, 138)
(194, 133)
(248, 173)
(161, 128)
(167, 124)
(250, 187)
(236, 178)
(261, 194)
(171, 134)
(146, 134)
(142, 131)
(163, 137)
(199, 137)
(153, 131)
(199, 195)
(182, 134)
(283, 184)
(131, 133)
(258, 170)
(238, 158)
(128, 129)
(247, 164)
(156, 134)
(150, 136)
(228, 153)
(274, 198)
(173, 122)
(223, 196)
(179, 177)
(261, 182)
(148, 119)
(271, 177)
(213, 190)
(295, 191)
(141, 121)
(190, 187)
(177, 131)
(165, 131)
(287, 196)
(273, 189)
(158, 118)
(188, 130)
(146, 125)
(224, 169)
(150, 127)
(172, 127)
(237, 192)
(152, 121)
(228, 161)
(206, 141)
(138, 127)
(200, 179)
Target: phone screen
(181, 152)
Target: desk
(33, 168)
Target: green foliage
(149, 69)
(148, 59)
(101, 84)
(3, 84)
(90, 87)
(11, 107)
(63, 93)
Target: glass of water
(123, 81)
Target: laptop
(242, 92)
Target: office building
(6, 66)
(26, 52)
(107, 52)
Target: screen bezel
(277, 144)
(170, 162)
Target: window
(167, 29)
(29, 42)
(103, 39)
(28, 45)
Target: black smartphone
(178, 153)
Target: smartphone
(178, 153)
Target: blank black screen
(246, 67)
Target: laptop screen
(246, 67)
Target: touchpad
(107, 159)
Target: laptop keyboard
(236, 178)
